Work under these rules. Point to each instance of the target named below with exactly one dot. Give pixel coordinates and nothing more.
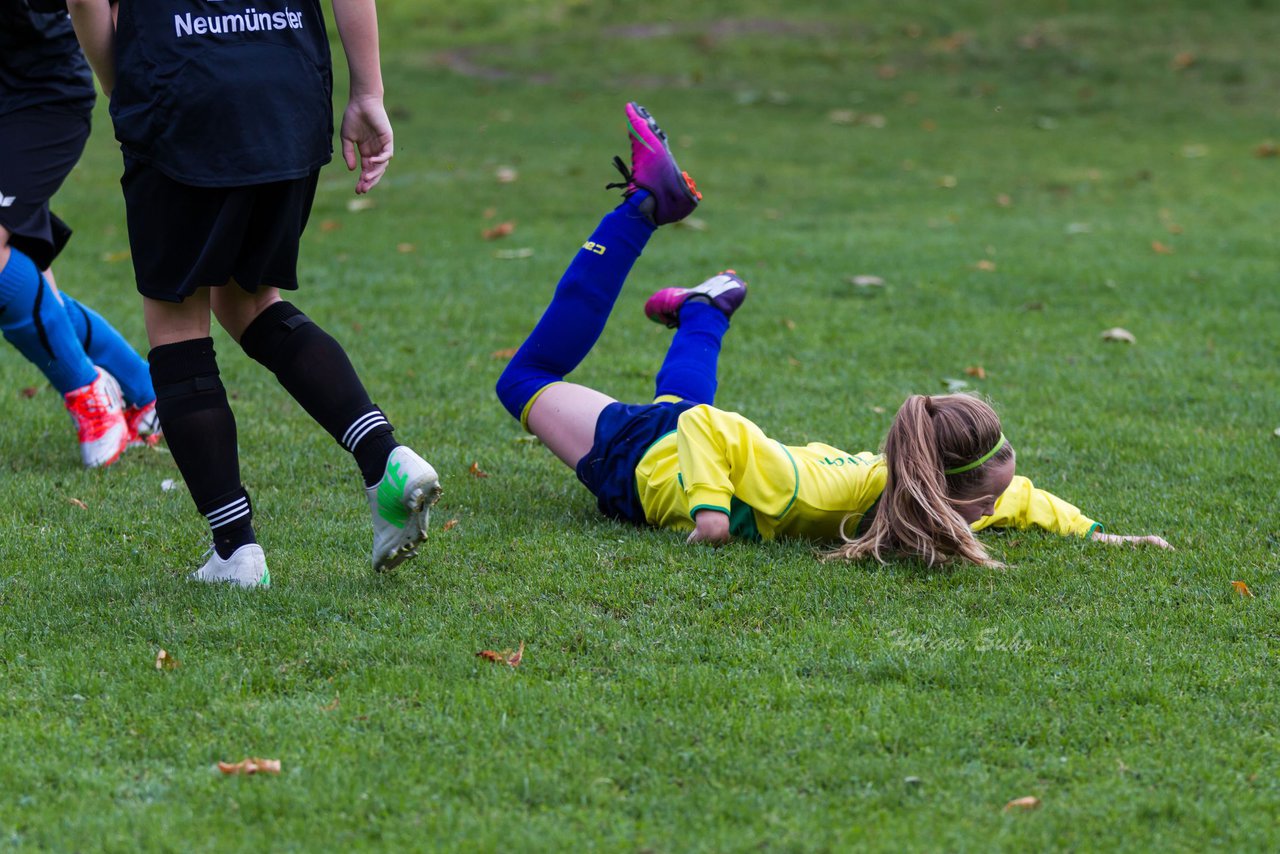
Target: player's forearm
(357, 22)
(96, 31)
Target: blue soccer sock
(33, 321)
(107, 348)
(689, 370)
(583, 300)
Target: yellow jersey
(722, 461)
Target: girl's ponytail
(915, 515)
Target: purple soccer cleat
(653, 168)
(725, 291)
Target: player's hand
(710, 526)
(366, 140)
(1120, 539)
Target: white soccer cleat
(247, 567)
(97, 410)
(401, 505)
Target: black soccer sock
(315, 370)
(200, 430)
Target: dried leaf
(1030, 802)
(886, 72)
(502, 229)
(450, 525)
(507, 657)
(328, 225)
(78, 503)
(976, 371)
(505, 353)
(1160, 249)
(1115, 333)
(360, 203)
(405, 248)
(490, 213)
(789, 323)
(865, 281)
(947, 182)
(878, 410)
(842, 117)
(1182, 61)
(116, 257)
(1267, 149)
(165, 661)
(1004, 200)
(692, 223)
(29, 392)
(331, 707)
(1194, 150)
(475, 471)
(1242, 589)
(506, 174)
(986, 265)
(251, 765)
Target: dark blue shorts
(624, 432)
(184, 237)
(38, 149)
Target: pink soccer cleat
(144, 425)
(98, 412)
(653, 168)
(725, 291)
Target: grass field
(1022, 176)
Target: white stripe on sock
(364, 431)
(228, 513)
(359, 427)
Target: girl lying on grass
(946, 471)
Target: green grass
(675, 698)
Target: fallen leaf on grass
(331, 707)
(476, 471)
(450, 525)
(789, 323)
(115, 257)
(1267, 149)
(514, 254)
(1242, 589)
(947, 182)
(1182, 61)
(954, 385)
(506, 174)
(986, 265)
(29, 392)
(1030, 802)
(165, 661)
(1115, 333)
(78, 503)
(502, 229)
(328, 225)
(976, 371)
(505, 353)
(1004, 200)
(692, 223)
(505, 657)
(405, 247)
(250, 765)
(866, 281)
(360, 203)
(1160, 248)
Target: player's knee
(266, 339)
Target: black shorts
(38, 149)
(184, 237)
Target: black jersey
(40, 60)
(224, 93)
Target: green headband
(979, 461)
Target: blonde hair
(916, 514)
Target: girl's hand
(710, 526)
(366, 140)
(1120, 539)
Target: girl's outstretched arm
(1024, 506)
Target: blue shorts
(624, 433)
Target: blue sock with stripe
(108, 349)
(34, 321)
(583, 300)
(689, 369)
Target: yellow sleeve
(1022, 506)
(723, 455)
